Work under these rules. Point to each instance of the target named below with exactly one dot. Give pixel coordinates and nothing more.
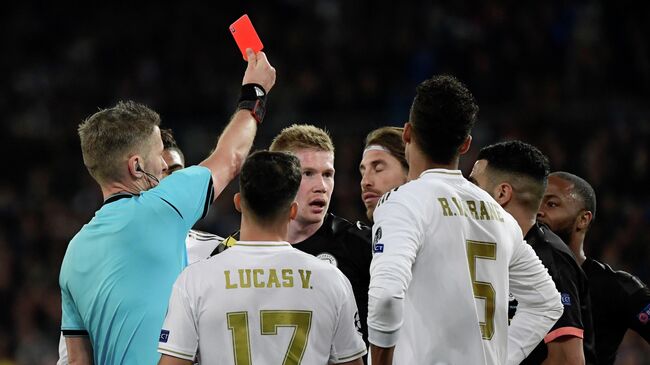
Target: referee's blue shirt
(118, 271)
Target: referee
(118, 270)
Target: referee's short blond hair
(302, 136)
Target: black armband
(253, 98)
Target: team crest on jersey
(644, 316)
(566, 299)
(328, 257)
(164, 336)
(376, 246)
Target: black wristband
(253, 98)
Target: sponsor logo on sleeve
(164, 336)
(376, 246)
(566, 299)
(644, 316)
(326, 256)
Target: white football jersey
(200, 245)
(262, 303)
(446, 256)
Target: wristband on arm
(253, 98)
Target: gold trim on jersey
(353, 356)
(455, 173)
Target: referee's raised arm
(237, 138)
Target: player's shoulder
(201, 236)
(357, 231)
(547, 240)
(605, 274)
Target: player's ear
(134, 166)
(293, 210)
(237, 200)
(583, 220)
(503, 194)
(465, 146)
(406, 134)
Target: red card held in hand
(245, 35)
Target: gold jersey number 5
(483, 290)
(270, 320)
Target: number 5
(482, 290)
(270, 321)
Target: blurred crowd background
(572, 77)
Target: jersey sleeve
(188, 192)
(397, 236)
(71, 322)
(179, 336)
(567, 283)
(637, 305)
(347, 344)
(539, 305)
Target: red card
(245, 35)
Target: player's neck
(419, 162)
(525, 219)
(577, 247)
(270, 232)
(299, 232)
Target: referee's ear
(237, 200)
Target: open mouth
(318, 203)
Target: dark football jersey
(572, 284)
(348, 247)
(619, 301)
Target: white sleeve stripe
(353, 356)
(173, 353)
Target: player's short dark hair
(582, 188)
(520, 164)
(391, 139)
(169, 142)
(269, 182)
(442, 116)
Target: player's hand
(259, 70)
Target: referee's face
(316, 185)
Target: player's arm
(80, 350)
(637, 305)
(566, 350)
(539, 303)
(170, 360)
(381, 355)
(236, 140)
(565, 339)
(395, 244)
(347, 344)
